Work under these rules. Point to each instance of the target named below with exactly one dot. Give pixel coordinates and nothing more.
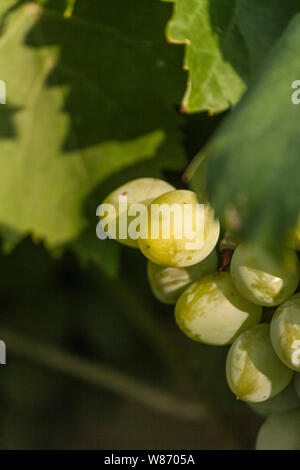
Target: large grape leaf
(254, 158)
(225, 41)
(209, 30)
(91, 103)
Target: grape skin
(280, 432)
(285, 401)
(213, 312)
(172, 251)
(168, 282)
(253, 370)
(285, 332)
(261, 278)
(138, 191)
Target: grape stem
(69, 8)
(103, 377)
(226, 258)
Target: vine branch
(102, 376)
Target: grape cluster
(249, 303)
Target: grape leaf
(253, 162)
(90, 103)
(225, 42)
(216, 54)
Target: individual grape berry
(168, 282)
(280, 432)
(285, 401)
(213, 312)
(253, 370)
(285, 332)
(138, 191)
(172, 251)
(261, 278)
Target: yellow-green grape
(280, 432)
(285, 401)
(168, 282)
(253, 370)
(285, 332)
(138, 191)
(169, 250)
(213, 312)
(261, 277)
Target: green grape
(280, 432)
(172, 251)
(285, 401)
(213, 312)
(138, 191)
(261, 278)
(285, 332)
(297, 384)
(254, 372)
(168, 282)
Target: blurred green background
(93, 360)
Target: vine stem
(102, 376)
(192, 167)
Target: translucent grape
(172, 251)
(280, 432)
(253, 370)
(261, 278)
(168, 282)
(285, 332)
(138, 191)
(213, 312)
(285, 401)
